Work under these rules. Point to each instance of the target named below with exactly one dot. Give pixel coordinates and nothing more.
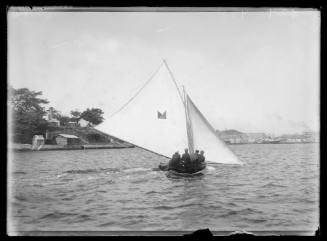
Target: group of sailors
(187, 161)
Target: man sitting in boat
(194, 156)
(187, 164)
(201, 157)
(175, 161)
(194, 161)
(186, 160)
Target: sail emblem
(162, 115)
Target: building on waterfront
(256, 137)
(54, 122)
(305, 137)
(84, 123)
(233, 136)
(37, 141)
(237, 137)
(50, 118)
(292, 138)
(72, 124)
(67, 140)
(310, 136)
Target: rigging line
(151, 77)
(172, 76)
(188, 124)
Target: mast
(188, 119)
(188, 124)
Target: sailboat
(162, 118)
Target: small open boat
(193, 169)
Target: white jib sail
(205, 138)
(154, 119)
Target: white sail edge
(138, 91)
(173, 78)
(188, 124)
(138, 146)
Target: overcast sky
(250, 71)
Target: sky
(249, 71)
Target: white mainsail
(158, 119)
(154, 119)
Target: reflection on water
(103, 190)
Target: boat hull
(190, 171)
(185, 174)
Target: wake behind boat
(163, 119)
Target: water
(104, 190)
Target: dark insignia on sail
(162, 115)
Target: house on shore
(305, 137)
(84, 123)
(233, 136)
(37, 141)
(256, 137)
(237, 137)
(72, 124)
(54, 122)
(310, 136)
(68, 140)
(50, 118)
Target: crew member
(174, 161)
(201, 157)
(197, 154)
(186, 159)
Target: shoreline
(270, 143)
(16, 147)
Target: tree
(27, 114)
(93, 115)
(56, 114)
(63, 119)
(76, 115)
(23, 100)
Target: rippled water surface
(120, 189)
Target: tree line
(28, 112)
(93, 115)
